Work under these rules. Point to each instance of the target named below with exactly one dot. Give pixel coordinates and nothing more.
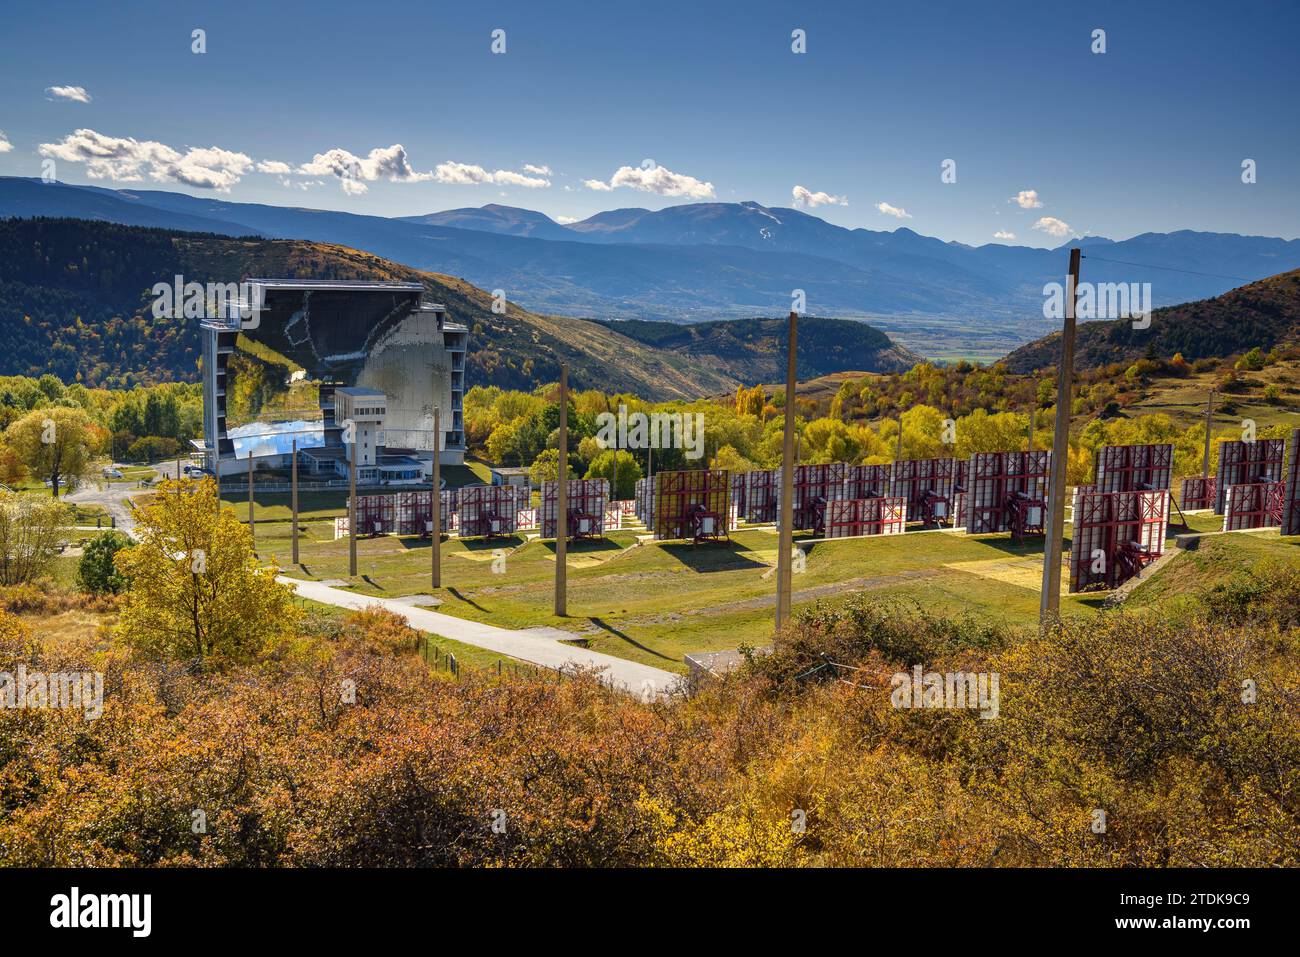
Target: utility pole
(1050, 600)
(293, 497)
(1033, 420)
(435, 500)
(352, 509)
(562, 502)
(1209, 423)
(898, 456)
(250, 497)
(785, 537)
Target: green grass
(275, 506)
(1217, 559)
(88, 514)
(330, 503)
(656, 602)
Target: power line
(1190, 272)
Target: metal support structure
(785, 537)
(435, 503)
(293, 498)
(1050, 600)
(562, 502)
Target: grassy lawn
(328, 503)
(89, 514)
(275, 506)
(656, 602)
(1214, 562)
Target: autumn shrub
(43, 597)
(1265, 592)
(1121, 739)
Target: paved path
(540, 646)
(114, 500)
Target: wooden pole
(250, 497)
(1209, 423)
(562, 502)
(352, 509)
(898, 456)
(293, 497)
(435, 500)
(1033, 419)
(785, 536)
(1050, 600)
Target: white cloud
(77, 94)
(538, 170)
(5, 145)
(1003, 234)
(273, 166)
(462, 174)
(565, 220)
(894, 211)
(1053, 227)
(505, 177)
(1028, 199)
(806, 197)
(354, 171)
(470, 174)
(654, 179)
(303, 184)
(125, 159)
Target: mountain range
(74, 301)
(708, 261)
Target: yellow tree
(196, 591)
(55, 443)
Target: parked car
(111, 473)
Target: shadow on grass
(488, 544)
(622, 636)
(456, 593)
(584, 546)
(410, 542)
(1032, 546)
(712, 556)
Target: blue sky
(1149, 136)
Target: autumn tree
(197, 591)
(620, 468)
(55, 443)
(32, 531)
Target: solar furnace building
(315, 355)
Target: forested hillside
(1262, 314)
(74, 301)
